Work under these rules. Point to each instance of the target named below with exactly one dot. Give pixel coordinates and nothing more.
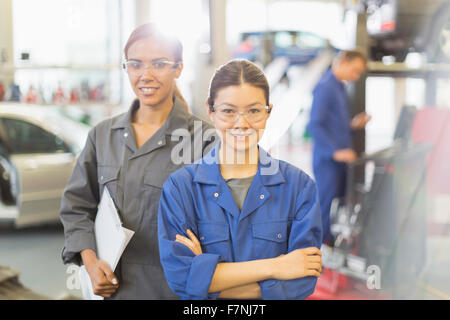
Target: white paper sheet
(111, 239)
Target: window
(284, 39)
(310, 40)
(24, 138)
(70, 45)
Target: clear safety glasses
(231, 114)
(156, 68)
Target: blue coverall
(281, 213)
(330, 129)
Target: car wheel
(439, 45)
(444, 39)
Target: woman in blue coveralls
(239, 223)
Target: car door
(44, 163)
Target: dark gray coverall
(134, 178)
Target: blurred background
(60, 74)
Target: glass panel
(415, 92)
(25, 138)
(443, 93)
(72, 52)
(381, 107)
(310, 40)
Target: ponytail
(177, 93)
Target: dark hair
(235, 73)
(150, 30)
(350, 55)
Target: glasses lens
(256, 114)
(226, 113)
(157, 68)
(133, 66)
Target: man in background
(331, 129)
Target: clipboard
(111, 240)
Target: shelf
(10, 68)
(401, 69)
(82, 105)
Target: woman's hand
(104, 282)
(298, 264)
(191, 243)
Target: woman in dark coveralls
(130, 154)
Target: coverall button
(279, 236)
(261, 196)
(216, 195)
(125, 134)
(159, 142)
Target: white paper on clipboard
(111, 239)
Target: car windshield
(285, 39)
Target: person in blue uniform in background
(239, 223)
(331, 129)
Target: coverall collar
(208, 172)
(177, 117)
(175, 125)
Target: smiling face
(242, 134)
(152, 90)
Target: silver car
(38, 150)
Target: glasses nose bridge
(243, 115)
(148, 68)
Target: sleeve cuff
(271, 289)
(200, 275)
(297, 289)
(76, 243)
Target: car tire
(438, 48)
